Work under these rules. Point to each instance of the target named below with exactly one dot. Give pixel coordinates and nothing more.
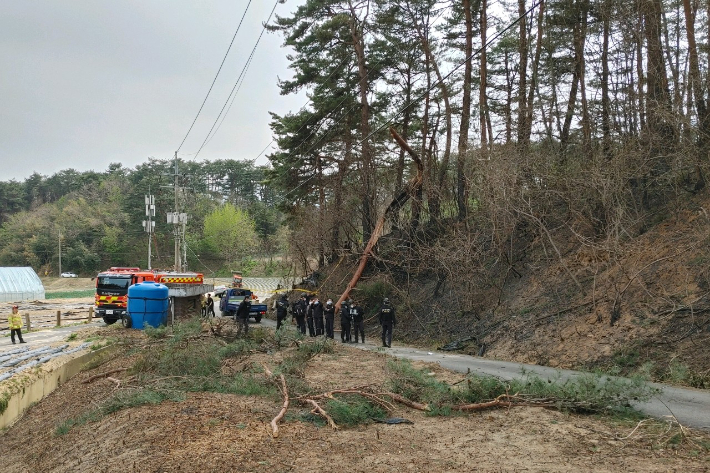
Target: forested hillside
(549, 186)
(562, 213)
(96, 218)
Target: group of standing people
(310, 314)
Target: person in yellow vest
(15, 321)
(203, 305)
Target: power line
(215, 77)
(239, 79)
(438, 82)
(429, 89)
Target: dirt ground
(220, 432)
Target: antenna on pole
(149, 225)
(179, 221)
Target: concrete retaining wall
(45, 383)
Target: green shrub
(236, 349)
(315, 346)
(157, 333)
(351, 410)
(120, 400)
(416, 385)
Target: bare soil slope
(213, 432)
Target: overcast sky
(86, 83)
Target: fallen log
(103, 375)
(397, 202)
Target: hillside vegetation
(540, 173)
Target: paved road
(690, 406)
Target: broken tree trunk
(397, 202)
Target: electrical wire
(430, 88)
(215, 77)
(239, 79)
(438, 82)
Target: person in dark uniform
(299, 314)
(309, 319)
(318, 316)
(210, 306)
(358, 317)
(345, 321)
(388, 321)
(329, 312)
(281, 310)
(243, 315)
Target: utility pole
(179, 221)
(60, 251)
(149, 225)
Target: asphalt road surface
(691, 407)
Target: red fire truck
(111, 298)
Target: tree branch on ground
(321, 412)
(284, 408)
(103, 375)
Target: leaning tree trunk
(398, 201)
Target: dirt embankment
(214, 432)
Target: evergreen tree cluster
(96, 217)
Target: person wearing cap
(388, 321)
(329, 313)
(281, 310)
(357, 314)
(299, 313)
(15, 322)
(318, 316)
(345, 321)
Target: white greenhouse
(20, 284)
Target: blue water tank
(148, 304)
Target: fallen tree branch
(103, 375)
(407, 402)
(284, 408)
(497, 402)
(321, 412)
(118, 383)
(359, 390)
